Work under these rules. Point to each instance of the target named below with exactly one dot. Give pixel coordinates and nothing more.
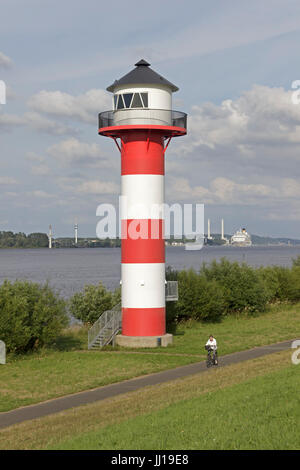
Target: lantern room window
(137, 101)
(120, 103)
(145, 99)
(131, 100)
(115, 101)
(127, 98)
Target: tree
(296, 262)
(269, 277)
(88, 305)
(31, 315)
(244, 288)
(198, 298)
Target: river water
(68, 270)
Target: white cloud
(40, 170)
(76, 185)
(43, 124)
(228, 192)
(243, 152)
(261, 116)
(36, 121)
(98, 187)
(7, 180)
(40, 194)
(279, 213)
(34, 157)
(9, 121)
(72, 150)
(5, 61)
(83, 107)
(10, 93)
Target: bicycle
(211, 360)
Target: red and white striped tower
(144, 123)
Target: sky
(234, 63)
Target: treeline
(86, 243)
(21, 240)
(224, 288)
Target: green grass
(262, 413)
(41, 377)
(52, 430)
(68, 367)
(236, 333)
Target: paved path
(83, 398)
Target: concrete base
(144, 341)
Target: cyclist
(211, 345)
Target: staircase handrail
(99, 324)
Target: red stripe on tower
(144, 321)
(148, 247)
(142, 154)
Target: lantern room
(142, 97)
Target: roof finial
(142, 62)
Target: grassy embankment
(70, 368)
(252, 405)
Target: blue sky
(234, 63)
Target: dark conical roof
(142, 74)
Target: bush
(116, 296)
(229, 287)
(31, 315)
(244, 288)
(296, 262)
(270, 279)
(88, 305)
(293, 290)
(199, 299)
(289, 283)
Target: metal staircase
(109, 324)
(105, 329)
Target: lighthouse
(142, 124)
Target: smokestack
(50, 236)
(222, 230)
(208, 229)
(76, 231)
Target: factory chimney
(222, 230)
(50, 236)
(208, 230)
(76, 231)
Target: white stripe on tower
(143, 285)
(142, 193)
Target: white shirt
(212, 344)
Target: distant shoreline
(256, 245)
(10, 240)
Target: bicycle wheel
(209, 361)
